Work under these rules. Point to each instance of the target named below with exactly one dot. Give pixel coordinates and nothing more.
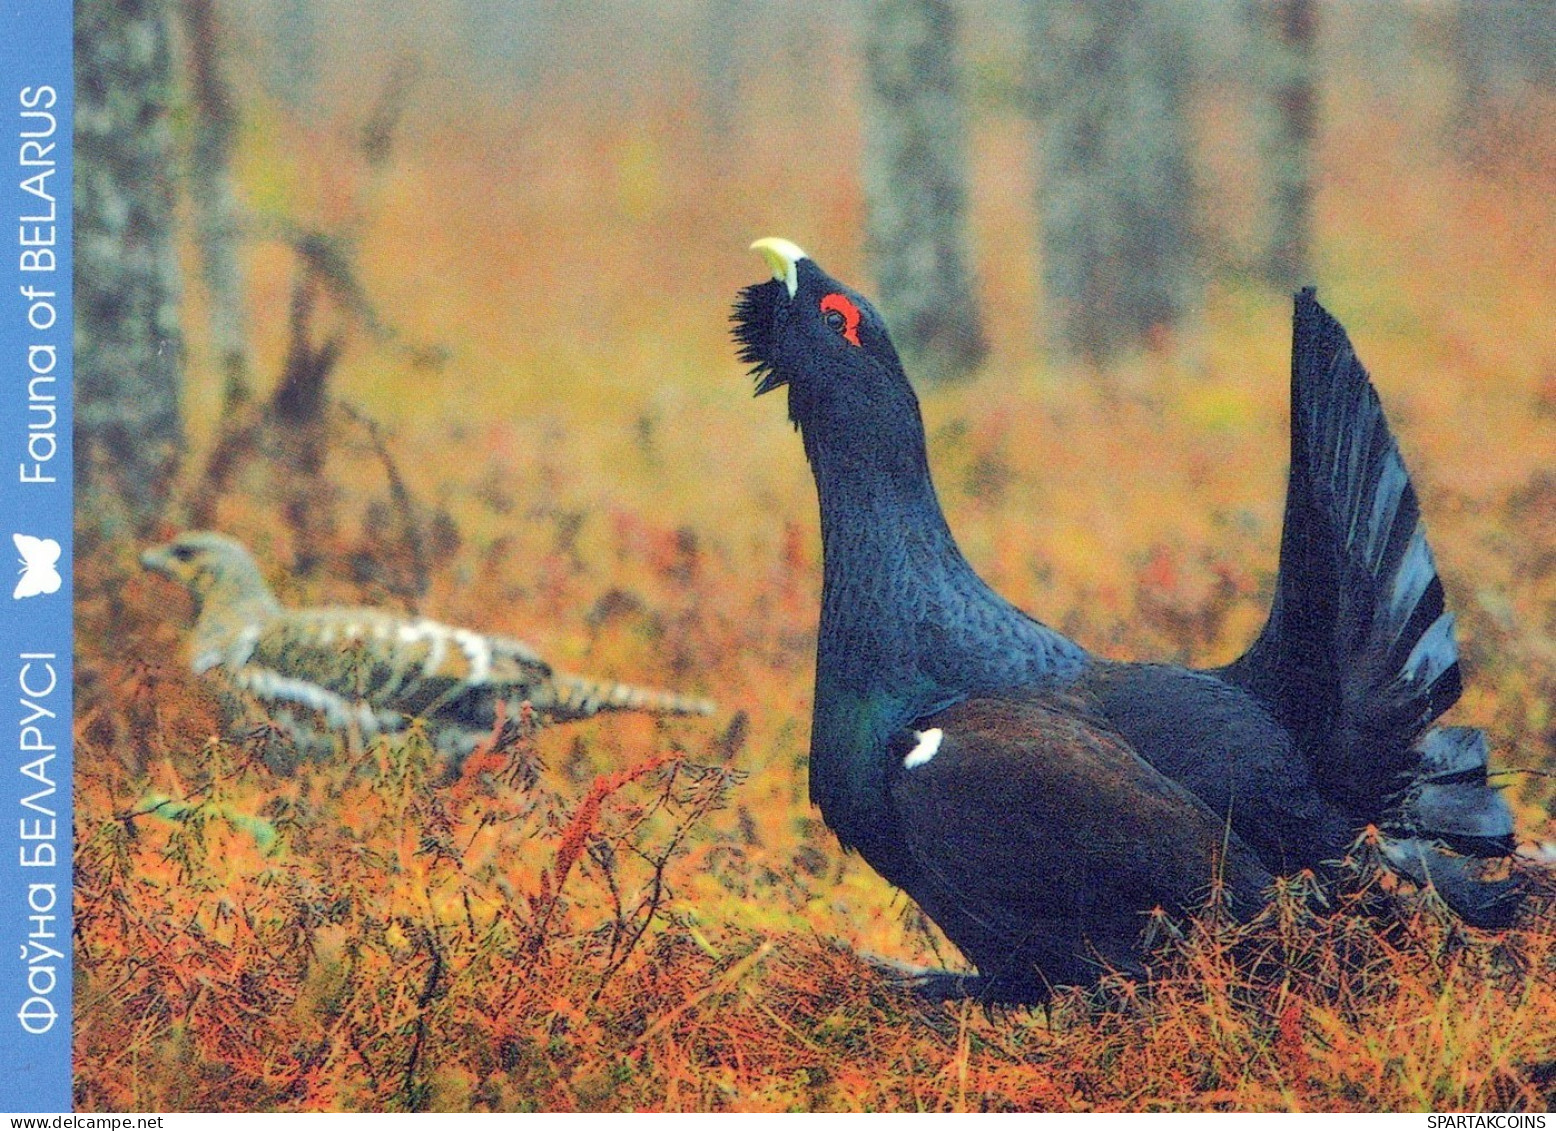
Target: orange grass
(628, 914)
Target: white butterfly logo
(38, 572)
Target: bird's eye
(841, 316)
(184, 553)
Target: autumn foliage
(637, 914)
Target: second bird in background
(321, 673)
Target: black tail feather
(1358, 658)
(1487, 903)
(1450, 799)
(1453, 754)
(1472, 819)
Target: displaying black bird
(1038, 801)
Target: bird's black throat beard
(755, 317)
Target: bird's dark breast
(1225, 747)
(849, 765)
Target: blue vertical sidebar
(36, 100)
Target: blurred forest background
(427, 303)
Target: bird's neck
(886, 551)
(900, 605)
(227, 612)
(907, 628)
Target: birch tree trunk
(1289, 29)
(214, 138)
(129, 349)
(1115, 186)
(1504, 52)
(915, 182)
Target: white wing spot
(928, 746)
(243, 647)
(478, 652)
(436, 636)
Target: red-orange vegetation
(639, 914)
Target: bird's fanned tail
(1450, 820)
(1358, 658)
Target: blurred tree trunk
(722, 63)
(215, 134)
(1115, 186)
(129, 349)
(1501, 49)
(1289, 28)
(915, 184)
(297, 42)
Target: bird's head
(205, 562)
(802, 328)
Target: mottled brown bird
(322, 673)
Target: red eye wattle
(843, 305)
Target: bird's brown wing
(1043, 841)
(361, 664)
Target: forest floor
(650, 915)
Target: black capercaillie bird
(1036, 800)
(323, 673)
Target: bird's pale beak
(783, 257)
(158, 559)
